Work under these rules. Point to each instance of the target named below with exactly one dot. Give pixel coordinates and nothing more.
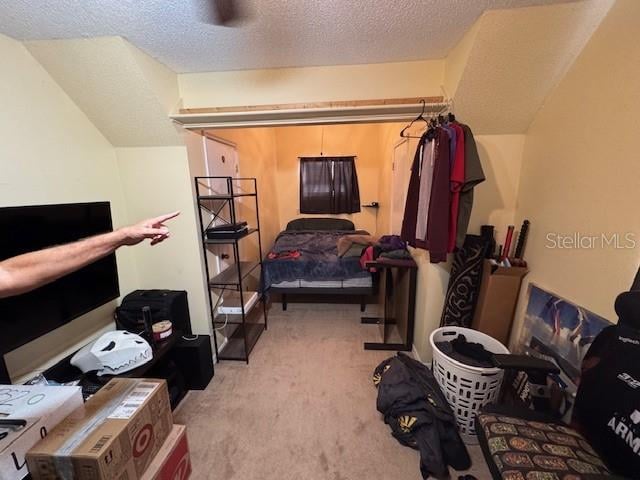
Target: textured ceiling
(278, 33)
(126, 94)
(515, 58)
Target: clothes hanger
(419, 117)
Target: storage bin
(466, 388)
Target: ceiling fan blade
(221, 12)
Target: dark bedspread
(318, 260)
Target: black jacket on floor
(415, 408)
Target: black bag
(419, 415)
(608, 401)
(164, 304)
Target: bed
(318, 269)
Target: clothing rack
(432, 110)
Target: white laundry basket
(467, 388)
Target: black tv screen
(26, 317)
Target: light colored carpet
(304, 407)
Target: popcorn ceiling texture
(125, 93)
(279, 33)
(518, 56)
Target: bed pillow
(310, 223)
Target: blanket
(318, 258)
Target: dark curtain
(329, 185)
(315, 185)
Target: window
(329, 185)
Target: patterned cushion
(518, 449)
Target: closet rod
(439, 109)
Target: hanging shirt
(438, 221)
(473, 175)
(426, 176)
(452, 143)
(456, 182)
(408, 231)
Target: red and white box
(172, 462)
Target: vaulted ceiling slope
(506, 65)
(124, 92)
(503, 69)
(277, 33)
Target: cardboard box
(114, 436)
(497, 301)
(43, 407)
(14, 446)
(172, 462)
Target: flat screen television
(26, 317)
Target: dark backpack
(164, 304)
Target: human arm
(29, 271)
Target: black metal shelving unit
(218, 199)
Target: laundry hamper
(467, 388)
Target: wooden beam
(304, 106)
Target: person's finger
(159, 238)
(164, 218)
(150, 232)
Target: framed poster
(559, 331)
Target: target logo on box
(143, 440)
(172, 462)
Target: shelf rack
(218, 203)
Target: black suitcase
(164, 304)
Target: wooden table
(397, 301)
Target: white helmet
(113, 353)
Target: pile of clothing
(469, 353)
(417, 411)
(446, 167)
(369, 248)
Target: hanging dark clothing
(473, 175)
(408, 231)
(438, 222)
(440, 194)
(457, 182)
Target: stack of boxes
(124, 432)
(28, 413)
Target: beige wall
(52, 153)
(361, 140)
(157, 180)
(495, 199)
(580, 172)
(271, 155)
(312, 84)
